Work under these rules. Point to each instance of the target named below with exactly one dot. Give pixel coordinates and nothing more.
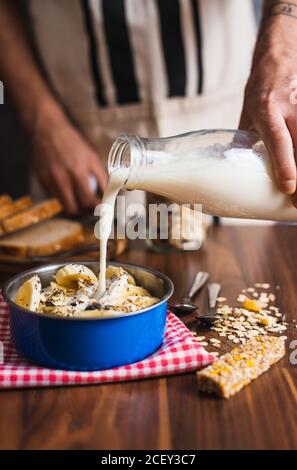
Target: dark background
(14, 148)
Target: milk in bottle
(228, 172)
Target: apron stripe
(190, 47)
(156, 65)
(93, 53)
(117, 37)
(173, 47)
(138, 20)
(103, 55)
(196, 15)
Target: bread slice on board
(8, 210)
(43, 239)
(38, 212)
(5, 199)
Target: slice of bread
(6, 209)
(12, 208)
(5, 199)
(40, 211)
(42, 239)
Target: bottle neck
(128, 152)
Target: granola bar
(232, 371)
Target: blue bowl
(94, 343)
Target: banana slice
(54, 286)
(70, 275)
(28, 295)
(115, 272)
(136, 291)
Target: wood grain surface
(169, 413)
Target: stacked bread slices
(30, 229)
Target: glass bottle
(228, 172)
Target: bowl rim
(168, 283)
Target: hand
(269, 107)
(63, 161)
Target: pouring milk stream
(228, 172)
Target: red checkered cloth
(179, 353)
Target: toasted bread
(5, 199)
(42, 239)
(13, 208)
(38, 212)
(6, 209)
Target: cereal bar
(232, 371)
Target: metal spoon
(185, 306)
(213, 291)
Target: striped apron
(150, 67)
(153, 67)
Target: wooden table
(168, 413)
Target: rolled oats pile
(256, 315)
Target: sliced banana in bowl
(72, 275)
(117, 272)
(28, 295)
(65, 327)
(72, 291)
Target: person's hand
(270, 100)
(64, 161)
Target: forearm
(20, 74)
(279, 7)
(68, 160)
(277, 38)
